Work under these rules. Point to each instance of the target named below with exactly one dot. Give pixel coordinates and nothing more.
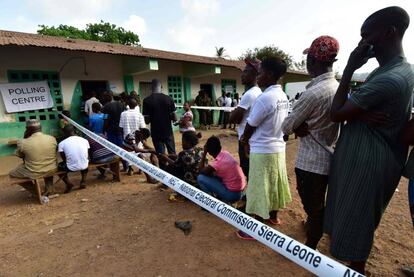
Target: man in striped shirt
(310, 120)
(99, 155)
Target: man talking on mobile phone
(369, 157)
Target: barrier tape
(226, 109)
(295, 251)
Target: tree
(103, 31)
(300, 66)
(221, 52)
(267, 52)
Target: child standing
(96, 119)
(186, 121)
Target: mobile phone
(370, 52)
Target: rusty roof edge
(74, 45)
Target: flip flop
(242, 235)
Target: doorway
(208, 88)
(144, 89)
(97, 86)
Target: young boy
(96, 119)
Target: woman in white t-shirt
(268, 186)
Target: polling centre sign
(19, 97)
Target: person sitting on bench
(100, 155)
(137, 142)
(74, 152)
(38, 152)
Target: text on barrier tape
(295, 251)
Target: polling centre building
(72, 67)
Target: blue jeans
(115, 137)
(214, 185)
(159, 145)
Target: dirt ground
(127, 229)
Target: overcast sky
(197, 26)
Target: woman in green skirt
(268, 186)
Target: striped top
(368, 162)
(98, 152)
(130, 121)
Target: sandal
(242, 235)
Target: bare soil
(127, 229)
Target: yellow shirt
(38, 152)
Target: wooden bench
(12, 142)
(111, 167)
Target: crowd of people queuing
(344, 189)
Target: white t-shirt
(227, 103)
(130, 121)
(234, 102)
(76, 152)
(246, 102)
(88, 105)
(267, 115)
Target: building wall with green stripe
(75, 66)
(70, 66)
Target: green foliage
(300, 66)
(267, 52)
(63, 31)
(103, 31)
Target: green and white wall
(65, 69)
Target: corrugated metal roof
(26, 39)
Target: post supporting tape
(295, 251)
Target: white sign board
(228, 89)
(294, 88)
(19, 97)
